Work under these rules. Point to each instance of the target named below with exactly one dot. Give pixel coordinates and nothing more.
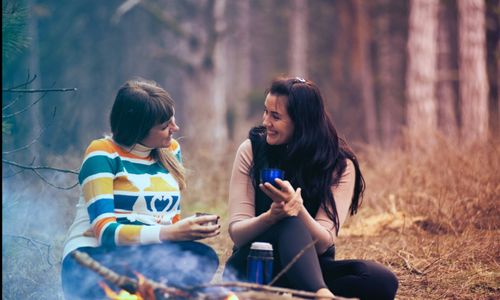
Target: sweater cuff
(150, 234)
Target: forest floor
(430, 214)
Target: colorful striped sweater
(125, 197)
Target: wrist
(269, 218)
(167, 233)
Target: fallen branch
(129, 284)
(268, 288)
(133, 286)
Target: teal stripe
(134, 168)
(108, 236)
(98, 164)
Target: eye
(275, 116)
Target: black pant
(173, 263)
(349, 278)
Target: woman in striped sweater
(128, 214)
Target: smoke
(35, 218)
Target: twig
(25, 146)
(267, 288)
(28, 82)
(290, 264)
(53, 185)
(409, 265)
(124, 282)
(15, 164)
(34, 243)
(24, 109)
(39, 90)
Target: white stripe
(98, 175)
(150, 234)
(138, 161)
(100, 153)
(146, 193)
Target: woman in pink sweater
(322, 185)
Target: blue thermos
(260, 263)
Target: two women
(323, 184)
(128, 215)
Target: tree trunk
(363, 69)
(446, 93)
(205, 92)
(472, 74)
(298, 38)
(421, 73)
(242, 81)
(391, 58)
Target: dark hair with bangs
(139, 105)
(315, 157)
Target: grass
(430, 213)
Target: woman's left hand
(289, 200)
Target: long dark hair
(315, 157)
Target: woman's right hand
(192, 228)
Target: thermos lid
(261, 246)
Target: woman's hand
(287, 202)
(192, 228)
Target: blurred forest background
(413, 85)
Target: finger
(208, 228)
(284, 185)
(266, 188)
(206, 219)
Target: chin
(272, 141)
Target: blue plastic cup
(269, 174)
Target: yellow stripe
(98, 186)
(159, 184)
(123, 184)
(129, 234)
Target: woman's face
(276, 120)
(160, 135)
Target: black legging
(349, 278)
(176, 263)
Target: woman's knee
(383, 282)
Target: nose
(265, 120)
(174, 127)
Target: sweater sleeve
(241, 191)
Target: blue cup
(260, 263)
(269, 174)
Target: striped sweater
(125, 197)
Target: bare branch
(24, 109)
(295, 258)
(33, 141)
(29, 167)
(123, 9)
(25, 146)
(34, 243)
(39, 90)
(53, 185)
(29, 81)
